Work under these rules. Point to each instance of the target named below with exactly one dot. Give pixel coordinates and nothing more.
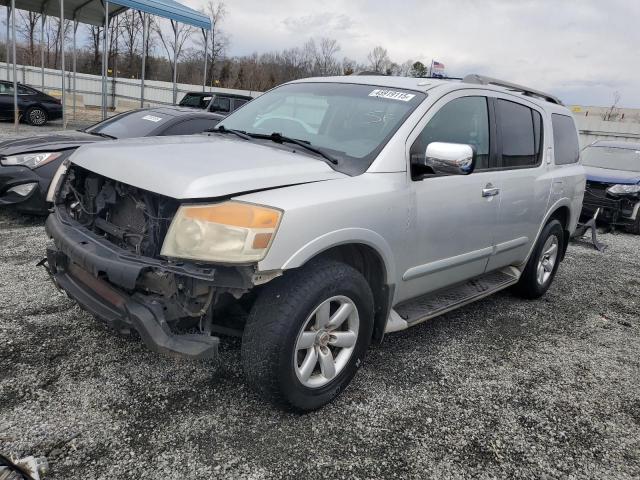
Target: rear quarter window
(566, 148)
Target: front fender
(335, 238)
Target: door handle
(490, 191)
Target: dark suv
(214, 102)
(34, 107)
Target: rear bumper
(102, 278)
(54, 111)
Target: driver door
(454, 217)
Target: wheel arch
(369, 254)
(563, 214)
(560, 210)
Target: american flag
(438, 65)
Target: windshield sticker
(392, 95)
(152, 118)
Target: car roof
(177, 111)
(224, 94)
(427, 84)
(616, 144)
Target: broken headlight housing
(228, 232)
(622, 189)
(30, 160)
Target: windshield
(195, 100)
(351, 122)
(612, 157)
(138, 123)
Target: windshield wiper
(279, 138)
(103, 135)
(223, 129)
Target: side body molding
(342, 237)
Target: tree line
(316, 57)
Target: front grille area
(129, 217)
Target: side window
(6, 88)
(238, 102)
(221, 104)
(521, 133)
(25, 90)
(565, 139)
(463, 120)
(191, 127)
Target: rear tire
(297, 351)
(36, 116)
(543, 263)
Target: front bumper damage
(618, 211)
(104, 279)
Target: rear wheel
(543, 263)
(307, 334)
(36, 116)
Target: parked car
(319, 217)
(34, 107)
(613, 183)
(27, 164)
(220, 103)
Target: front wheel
(307, 334)
(36, 116)
(543, 263)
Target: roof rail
(482, 80)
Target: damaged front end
(106, 255)
(616, 207)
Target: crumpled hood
(50, 141)
(608, 175)
(201, 166)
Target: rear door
(523, 177)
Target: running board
(425, 307)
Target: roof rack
(482, 80)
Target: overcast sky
(581, 50)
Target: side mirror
(450, 158)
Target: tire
(36, 116)
(533, 283)
(285, 319)
(634, 228)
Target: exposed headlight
(31, 160)
(55, 181)
(623, 189)
(229, 232)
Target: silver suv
(317, 218)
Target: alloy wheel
(547, 260)
(326, 341)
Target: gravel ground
(7, 128)
(504, 388)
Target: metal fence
(123, 93)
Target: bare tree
(27, 29)
(379, 59)
(173, 43)
(131, 28)
(95, 39)
(217, 42)
(610, 114)
(322, 56)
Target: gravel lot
(504, 388)
(7, 128)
